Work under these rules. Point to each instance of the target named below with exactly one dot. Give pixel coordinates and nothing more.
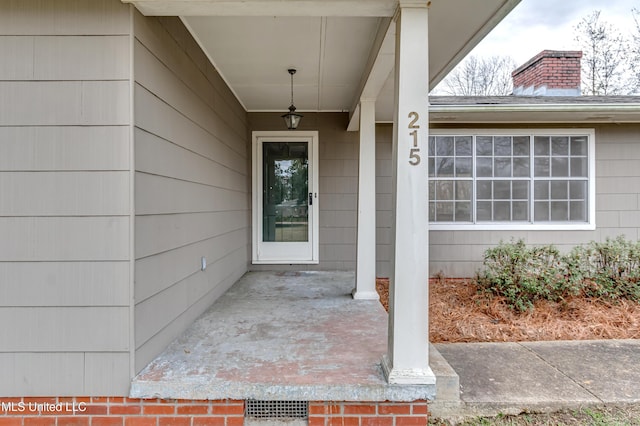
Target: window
(542, 179)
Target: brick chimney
(549, 73)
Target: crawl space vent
(276, 409)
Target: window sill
(512, 227)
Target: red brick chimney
(549, 73)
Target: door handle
(311, 198)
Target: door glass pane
(285, 212)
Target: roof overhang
(265, 7)
(579, 111)
(343, 49)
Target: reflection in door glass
(285, 212)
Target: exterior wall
(192, 184)
(460, 253)
(64, 197)
(338, 171)
(112, 411)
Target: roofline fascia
(488, 26)
(535, 108)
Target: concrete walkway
(511, 378)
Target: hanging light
(292, 119)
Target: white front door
(285, 197)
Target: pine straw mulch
(459, 313)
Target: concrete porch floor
(281, 335)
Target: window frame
(589, 225)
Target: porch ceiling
(342, 49)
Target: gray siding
(338, 186)
(460, 253)
(64, 197)
(454, 253)
(384, 135)
(191, 184)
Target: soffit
(334, 44)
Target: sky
(537, 25)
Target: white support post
(407, 360)
(366, 240)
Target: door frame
(258, 256)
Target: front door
(285, 197)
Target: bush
(609, 270)
(522, 274)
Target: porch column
(366, 240)
(407, 360)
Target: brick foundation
(368, 413)
(118, 411)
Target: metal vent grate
(276, 409)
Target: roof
(534, 100)
(535, 109)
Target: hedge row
(523, 274)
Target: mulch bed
(459, 313)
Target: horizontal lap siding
(191, 184)
(64, 197)
(460, 253)
(338, 187)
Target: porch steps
(447, 380)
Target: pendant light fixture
(292, 119)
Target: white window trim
(590, 225)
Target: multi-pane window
(451, 162)
(512, 179)
(561, 178)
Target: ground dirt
(607, 416)
(459, 313)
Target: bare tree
(604, 58)
(634, 51)
(481, 77)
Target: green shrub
(609, 270)
(523, 274)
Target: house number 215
(414, 152)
